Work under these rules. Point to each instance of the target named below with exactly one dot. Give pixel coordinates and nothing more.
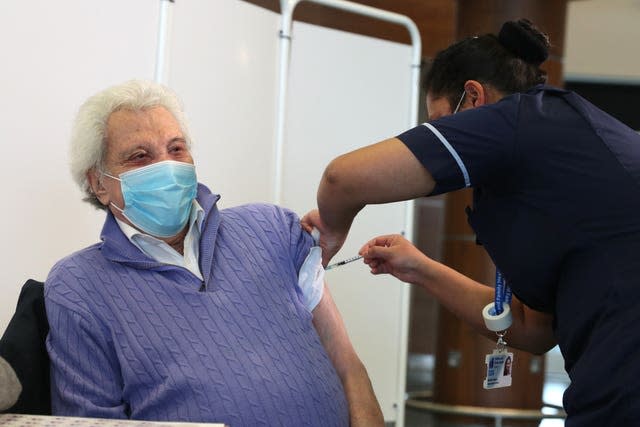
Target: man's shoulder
(267, 222)
(73, 266)
(82, 255)
(264, 211)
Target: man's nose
(164, 155)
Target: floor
(420, 377)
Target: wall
(601, 40)
(341, 99)
(54, 55)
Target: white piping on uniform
(454, 154)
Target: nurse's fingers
(381, 241)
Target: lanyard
(497, 314)
(502, 293)
(498, 318)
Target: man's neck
(177, 241)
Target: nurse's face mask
(158, 197)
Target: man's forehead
(155, 113)
(156, 119)
(130, 130)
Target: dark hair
(509, 62)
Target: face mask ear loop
(464, 92)
(110, 176)
(121, 211)
(102, 173)
(117, 208)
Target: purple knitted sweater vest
(133, 338)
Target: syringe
(343, 262)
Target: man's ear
(476, 93)
(95, 183)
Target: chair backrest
(23, 346)
(10, 387)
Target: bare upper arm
(328, 321)
(332, 332)
(379, 173)
(534, 329)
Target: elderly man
(184, 312)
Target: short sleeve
(311, 278)
(300, 242)
(469, 149)
(307, 258)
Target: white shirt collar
(160, 251)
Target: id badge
(499, 365)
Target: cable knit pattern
(133, 338)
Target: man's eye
(138, 156)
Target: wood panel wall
(434, 19)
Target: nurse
(556, 199)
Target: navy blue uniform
(557, 206)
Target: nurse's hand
(330, 240)
(395, 255)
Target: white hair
(89, 133)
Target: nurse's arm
(364, 409)
(379, 173)
(531, 330)
(538, 327)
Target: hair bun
(525, 41)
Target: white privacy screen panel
(223, 64)
(347, 91)
(55, 55)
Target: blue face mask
(158, 197)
